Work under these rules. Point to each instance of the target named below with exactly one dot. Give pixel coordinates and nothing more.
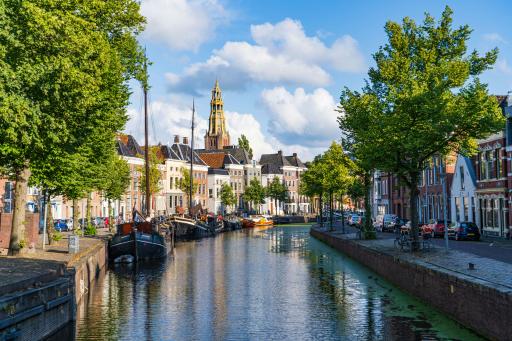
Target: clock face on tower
(217, 135)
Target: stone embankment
(480, 299)
(40, 291)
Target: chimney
(176, 139)
(185, 140)
(279, 152)
(294, 154)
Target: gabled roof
(168, 153)
(230, 160)
(128, 146)
(238, 153)
(182, 151)
(274, 159)
(295, 161)
(470, 167)
(213, 160)
(270, 168)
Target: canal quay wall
(479, 299)
(40, 293)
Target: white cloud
(503, 66)
(166, 119)
(171, 116)
(495, 38)
(282, 53)
(247, 124)
(182, 24)
(299, 116)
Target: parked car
(355, 219)
(437, 227)
(99, 222)
(61, 225)
(423, 229)
(385, 222)
(464, 230)
(395, 224)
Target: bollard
(73, 243)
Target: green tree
(337, 177)
(255, 193)
(116, 182)
(154, 175)
(64, 66)
(243, 143)
(184, 183)
(423, 98)
(311, 183)
(277, 190)
(227, 196)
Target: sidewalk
(493, 272)
(42, 266)
(480, 299)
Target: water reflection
(276, 284)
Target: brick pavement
(488, 271)
(33, 269)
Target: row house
(390, 196)
(241, 172)
(269, 172)
(430, 201)
(175, 158)
(463, 191)
(222, 165)
(291, 169)
(494, 177)
(130, 151)
(492, 190)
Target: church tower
(217, 135)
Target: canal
(278, 284)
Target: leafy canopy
(243, 143)
(423, 97)
(255, 192)
(227, 196)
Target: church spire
(217, 135)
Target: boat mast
(146, 146)
(191, 160)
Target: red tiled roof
(213, 160)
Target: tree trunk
(17, 240)
(109, 215)
(342, 215)
(50, 230)
(321, 210)
(414, 193)
(368, 226)
(75, 214)
(330, 211)
(88, 208)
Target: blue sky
(282, 64)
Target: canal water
(277, 284)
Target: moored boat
(257, 221)
(141, 240)
(187, 228)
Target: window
(457, 209)
(465, 204)
(210, 193)
(499, 168)
(461, 171)
(490, 171)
